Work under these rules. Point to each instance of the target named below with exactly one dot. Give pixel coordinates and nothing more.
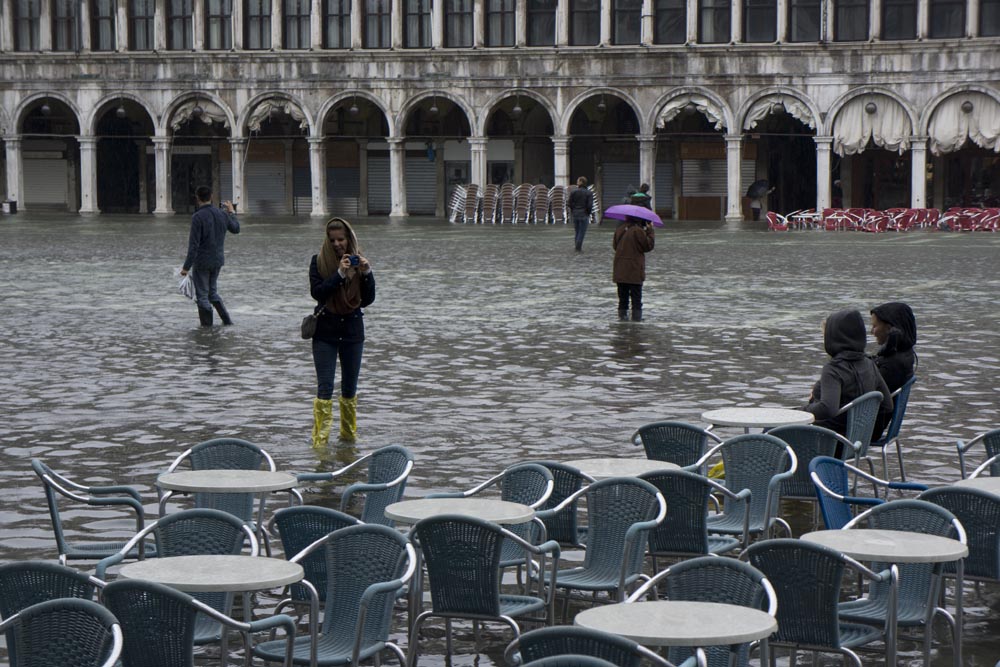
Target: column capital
(645, 138)
(478, 143)
(734, 138)
(87, 140)
(13, 140)
(316, 141)
(396, 142)
(823, 141)
(238, 142)
(162, 142)
(561, 141)
(919, 141)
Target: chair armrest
(447, 494)
(859, 500)
(912, 486)
(102, 566)
(358, 488)
(123, 502)
(119, 489)
(314, 477)
(277, 621)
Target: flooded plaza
(487, 345)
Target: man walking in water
(581, 201)
(206, 252)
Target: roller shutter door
(379, 185)
(708, 178)
(301, 190)
(225, 181)
(45, 182)
(748, 174)
(421, 186)
(618, 176)
(266, 188)
(343, 188)
(664, 185)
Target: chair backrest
(47, 476)
(991, 443)
(751, 461)
(675, 442)
(861, 418)
(901, 398)
(808, 442)
(386, 465)
(571, 660)
(572, 640)
(462, 558)
(223, 454)
(300, 526)
(832, 473)
(613, 506)
(806, 578)
(684, 530)
(197, 532)
(525, 483)
(68, 632)
(158, 623)
(567, 480)
(979, 513)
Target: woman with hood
(849, 373)
(895, 330)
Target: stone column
(922, 19)
(161, 153)
(15, 177)
(647, 28)
(277, 21)
(478, 24)
(437, 24)
(238, 148)
(317, 172)
(782, 33)
(83, 19)
(7, 26)
(140, 147)
(88, 174)
(357, 24)
(396, 31)
(692, 21)
(823, 146)
(316, 24)
(918, 172)
(198, 25)
(736, 22)
(520, 23)
(647, 163)
(477, 152)
(606, 36)
(560, 160)
(121, 27)
(45, 27)
(160, 29)
(826, 21)
(362, 176)
(562, 22)
(972, 19)
(397, 169)
(238, 24)
(734, 150)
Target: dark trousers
(581, 225)
(325, 354)
(206, 283)
(628, 291)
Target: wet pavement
(487, 345)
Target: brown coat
(631, 243)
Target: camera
(355, 260)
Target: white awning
(888, 125)
(703, 104)
(979, 121)
(264, 109)
(210, 113)
(776, 104)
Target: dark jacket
(581, 202)
(206, 242)
(330, 326)
(849, 373)
(896, 359)
(631, 243)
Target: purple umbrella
(621, 211)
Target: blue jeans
(581, 230)
(206, 282)
(325, 355)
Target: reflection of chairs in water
(522, 203)
(506, 203)
(557, 202)
(471, 203)
(491, 194)
(540, 194)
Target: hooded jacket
(896, 359)
(849, 373)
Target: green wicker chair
(67, 632)
(566, 640)
(676, 442)
(991, 443)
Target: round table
(226, 481)
(497, 511)
(988, 484)
(680, 623)
(215, 574)
(604, 468)
(756, 417)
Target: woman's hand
(345, 263)
(363, 264)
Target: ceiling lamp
(871, 108)
(46, 110)
(517, 110)
(434, 107)
(197, 111)
(120, 111)
(354, 110)
(601, 106)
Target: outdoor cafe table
(898, 546)
(988, 484)
(498, 511)
(605, 468)
(257, 482)
(756, 417)
(680, 623)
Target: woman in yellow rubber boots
(342, 283)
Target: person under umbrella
(757, 191)
(632, 240)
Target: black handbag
(309, 324)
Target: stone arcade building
(382, 106)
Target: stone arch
(22, 107)
(932, 106)
(851, 141)
(261, 104)
(490, 104)
(563, 123)
(802, 108)
(179, 101)
(334, 100)
(709, 104)
(398, 126)
(97, 110)
(4, 122)
(840, 102)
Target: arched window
(714, 22)
(947, 18)
(626, 21)
(850, 20)
(899, 19)
(804, 20)
(760, 20)
(671, 21)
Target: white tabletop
(990, 484)
(679, 623)
(603, 468)
(757, 417)
(889, 546)
(221, 574)
(226, 481)
(497, 511)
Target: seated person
(849, 373)
(895, 330)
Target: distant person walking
(641, 197)
(342, 283)
(206, 253)
(581, 203)
(632, 240)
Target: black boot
(623, 314)
(205, 316)
(223, 313)
(637, 314)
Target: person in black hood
(849, 373)
(895, 330)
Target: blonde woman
(342, 282)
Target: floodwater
(487, 345)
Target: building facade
(358, 107)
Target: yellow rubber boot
(322, 422)
(349, 418)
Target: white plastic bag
(185, 285)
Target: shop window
(499, 22)
(760, 20)
(804, 19)
(458, 23)
(102, 25)
(670, 18)
(541, 22)
(378, 24)
(337, 24)
(219, 24)
(179, 32)
(27, 24)
(417, 21)
(64, 25)
(584, 22)
(899, 19)
(140, 35)
(989, 18)
(626, 17)
(256, 24)
(298, 19)
(850, 20)
(714, 21)
(947, 18)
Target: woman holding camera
(342, 283)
